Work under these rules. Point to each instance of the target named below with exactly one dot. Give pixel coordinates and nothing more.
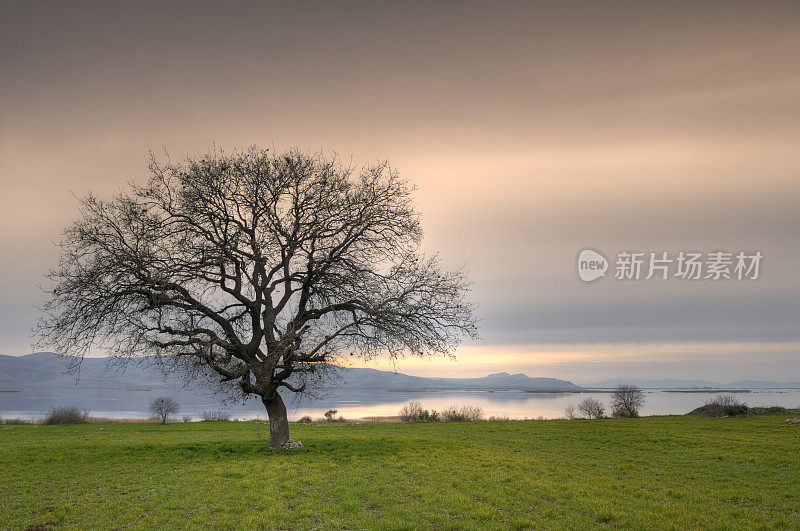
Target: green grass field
(658, 471)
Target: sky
(532, 130)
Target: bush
(187, 418)
(771, 410)
(462, 413)
(723, 406)
(305, 419)
(66, 415)
(413, 412)
(329, 415)
(569, 412)
(16, 420)
(626, 401)
(624, 413)
(215, 416)
(591, 407)
(739, 410)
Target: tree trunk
(278, 420)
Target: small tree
(330, 413)
(591, 407)
(626, 401)
(569, 411)
(163, 407)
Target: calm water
(359, 403)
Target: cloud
(532, 130)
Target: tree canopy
(256, 269)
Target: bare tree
(569, 411)
(591, 407)
(626, 401)
(163, 407)
(257, 270)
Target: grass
(675, 472)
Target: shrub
(624, 413)
(723, 406)
(187, 418)
(215, 416)
(330, 414)
(770, 410)
(739, 410)
(591, 407)
(411, 412)
(16, 420)
(66, 415)
(569, 412)
(305, 418)
(414, 412)
(462, 413)
(626, 401)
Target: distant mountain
(375, 379)
(692, 384)
(764, 384)
(45, 369)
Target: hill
(45, 369)
(691, 384)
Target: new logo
(591, 265)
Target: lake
(359, 403)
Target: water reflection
(358, 403)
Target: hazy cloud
(532, 129)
